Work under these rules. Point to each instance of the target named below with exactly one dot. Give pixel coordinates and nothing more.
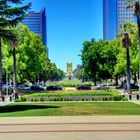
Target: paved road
(70, 128)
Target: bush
(117, 98)
(61, 99)
(32, 99)
(50, 99)
(70, 83)
(23, 99)
(42, 99)
(36, 100)
(105, 99)
(17, 100)
(124, 99)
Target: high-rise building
(114, 14)
(36, 22)
(123, 14)
(109, 19)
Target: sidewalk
(135, 102)
(70, 128)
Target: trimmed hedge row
(71, 84)
(75, 97)
(76, 93)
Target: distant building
(69, 73)
(36, 22)
(109, 19)
(123, 14)
(114, 14)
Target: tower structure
(36, 22)
(115, 14)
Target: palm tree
(126, 43)
(135, 5)
(9, 17)
(13, 44)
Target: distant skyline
(114, 14)
(69, 24)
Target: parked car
(83, 87)
(120, 86)
(124, 86)
(36, 88)
(102, 87)
(52, 88)
(133, 86)
(23, 87)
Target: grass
(69, 109)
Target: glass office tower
(109, 19)
(114, 14)
(123, 14)
(36, 22)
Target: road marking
(66, 131)
(73, 123)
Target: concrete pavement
(70, 128)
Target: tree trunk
(128, 71)
(95, 81)
(116, 80)
(15, 92)
(138, 23)
(135, 78)
(1, 68)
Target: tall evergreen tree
(9, 16)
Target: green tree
(10, 16)
(97, 62)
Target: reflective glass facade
(36, 22)
(109, 19)
(114, 14)
(123, 15)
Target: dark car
(120, 86)
(133, 86)
(124, 86)
(83, 87)
(53, 88)
(102, 87)
(36, 88)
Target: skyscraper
(114, 14)
(123, 14)
(36, 22)
(109, 19)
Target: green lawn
(69, 109)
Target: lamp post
(126, 43)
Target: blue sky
(69, 24)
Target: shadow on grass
(16, 108)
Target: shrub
(93, 99)
(50, 99)
(57, 98)
(42, 99)
(36, 99)
(54, 99)
(23, 99)
(124, 99)
(117, 97)
(32, 99)
(61, 99)
(105, 99)
(17, 100)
